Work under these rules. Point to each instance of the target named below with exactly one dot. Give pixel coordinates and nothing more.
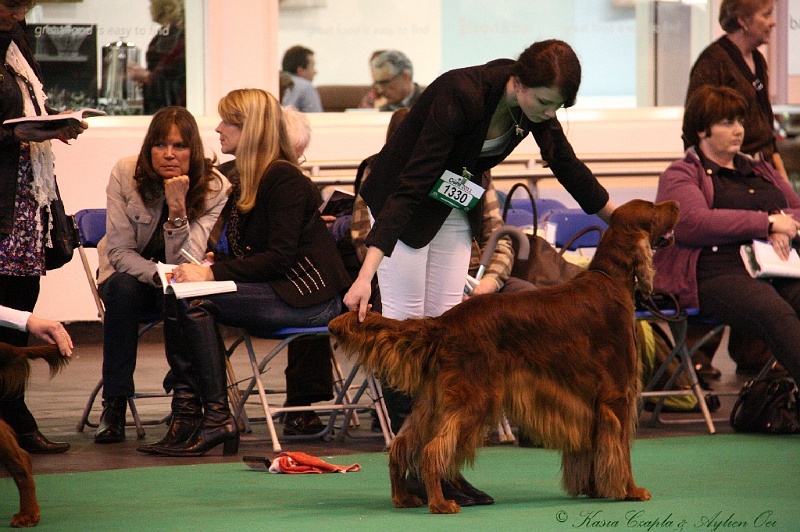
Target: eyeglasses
(384, 82)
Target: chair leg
(262, 394)
(136, 419)
(84, 421)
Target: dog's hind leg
(401, 461)
(18, 464)
(612, 458)
(578, 473)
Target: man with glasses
(392, 81)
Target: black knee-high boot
(187, 410)
(203, 343)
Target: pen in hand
(190, 257)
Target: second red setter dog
(14, 372)
(560, 362)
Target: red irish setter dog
(14, 372)
(559, 362)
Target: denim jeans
(256, 308)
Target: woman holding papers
(729, 199)
(271, 241)
(27, 188)
(158, 202)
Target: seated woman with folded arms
(271, 241)
(728, 199)
(157, 203)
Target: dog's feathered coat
(14, 372)
(559, 362)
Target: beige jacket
(130, 225)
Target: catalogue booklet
(192, 289)
(760, 260)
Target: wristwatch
(771, 220)
(177, 222)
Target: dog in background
(14, 372)
(560, 362)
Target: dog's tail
(15, 370)
(398, 352)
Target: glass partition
(125, 57)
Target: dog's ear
(643, 265)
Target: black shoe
(481, 498)
(302, 423)
(35, 443)
(415, 486)
(112, 421)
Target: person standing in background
(27, 187)
(299, 64)
(734, 61)
(164, 80)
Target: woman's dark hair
(201, 169)
(550, 63)
(707, 106)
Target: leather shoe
(35, 443)
(481, 498)
(415, 486)
(302, 423)
(112, 421)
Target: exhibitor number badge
(456, 191)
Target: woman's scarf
(234, 235)
(42, 158)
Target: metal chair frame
(346, 400)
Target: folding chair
(346, 400)
(92, 228)
(678, 322)
(573, 229)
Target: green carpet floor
(717, 483)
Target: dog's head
(651, 225)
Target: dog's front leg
(18, 464)
(432, 476)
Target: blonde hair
(263, 141)
(167, 12)
(299, 129)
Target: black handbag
(767, 405)
(63, 235)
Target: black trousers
(18, 293)
(765, 309)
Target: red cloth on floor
(296, 462)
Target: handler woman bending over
(466, 122)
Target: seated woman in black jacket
(271, 241)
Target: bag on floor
(769, 406)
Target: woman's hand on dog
(52, 332)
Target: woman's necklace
(517, 130)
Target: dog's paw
(25, 520)
(407, 501)
(638, 494)
(445, 507)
